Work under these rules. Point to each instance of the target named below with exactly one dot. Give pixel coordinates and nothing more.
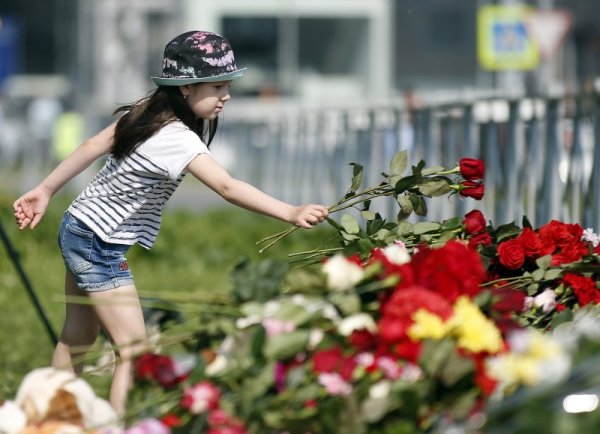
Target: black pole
(14, 256)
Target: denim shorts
(96, 265)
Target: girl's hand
(30, 208)
(306, 216)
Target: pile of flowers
(392, 342)
(400, 327)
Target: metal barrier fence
(542, 155)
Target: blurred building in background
(301, 48)
(84, 58)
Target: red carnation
(511, 254)
(471, 168)
(332, 360)
(451, 270)
(584, 288)
(570, 253)
(471, 189)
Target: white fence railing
(542, 155)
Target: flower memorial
(402, 326)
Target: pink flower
(390, 367)
(275, 326)
(200, 398)
(149, 426)
(335, 384)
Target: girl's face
(206, 100)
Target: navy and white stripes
(123, 203)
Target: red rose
(363, 340)
(471, 168)
(584, 288)
(474, 222)
(483, 239)
(531, 243)
(511, 254)
(171, 420)
(471, 189)
(560, 307)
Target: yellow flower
(474, 331)
(427, 326)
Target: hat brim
(164, 81)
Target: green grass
(194, 252)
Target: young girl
(151, 147)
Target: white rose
(546, 300)
(397, 253)
(342, 274)
(359, 321)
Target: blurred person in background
(42, 113)
(152, 145)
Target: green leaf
(286, 345)
(258, 281)
(406, 206)
(399, 163)
(431, 170)
(552, 273)
(532, 289)
(425, 227)
(538, 274)
(257, 342)
(292, 312)
(347, 303)
(421, 209)
(418, 169)
(349, 224)
(455, 368)
(435, 187)
(544, 262)
(368, 215)
(462, 405)
(434, 355)
(451, 224)
(404, 184)
(562, 317)
(404, 228)
(357, 176)
(381, 234)
(365, 246)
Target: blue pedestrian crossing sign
(504, 41)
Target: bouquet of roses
(557, 265)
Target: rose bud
(474, 222)
(471, 189)
(471, 168)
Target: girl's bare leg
(120, 314)
(79, 332)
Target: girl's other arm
(30, 208)
(213, 175)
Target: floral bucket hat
(197, 57)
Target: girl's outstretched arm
(30, 208)
(242, 194)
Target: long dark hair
(143, 119)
